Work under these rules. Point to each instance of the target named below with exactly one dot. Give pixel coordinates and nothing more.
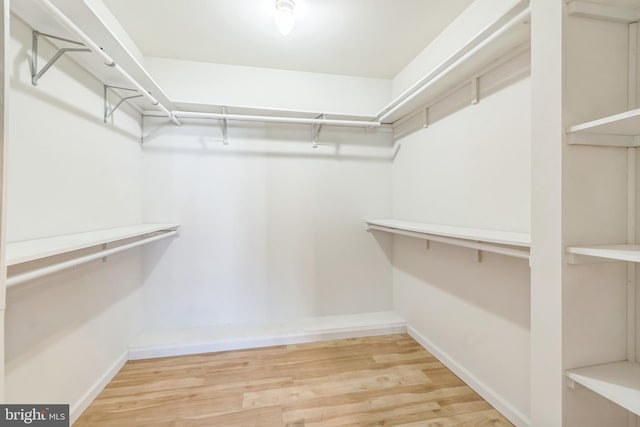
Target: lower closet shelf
(619, 382)
(502, 242)
(39, 249)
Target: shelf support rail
(478, 246)
(44, 271)
(91, 45)
(109, 112)
(37, 75)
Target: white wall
(221, 84)
(271, 229)
(471, 168)
(68, 172)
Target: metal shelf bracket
(315, 131)
(109, 112)
(37, 75)
(225, 138)
(475, 91)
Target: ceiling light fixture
(284, 16)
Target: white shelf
(626, 123)
(31, 250)
(506, 34)
(481, 239)
(475, 234)
(619, 382)
(86, 19)
(620, 252)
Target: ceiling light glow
(284, 16)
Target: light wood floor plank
(387, 381)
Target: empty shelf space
(621, 252)
(31, 250)
(615, 130)
(619, 382)
(496, 241)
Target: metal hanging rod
(44, 271)
(272, 119)
(91, 45)
(471, 244)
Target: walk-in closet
(309, 213)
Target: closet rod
(40, 272)
(274, 119)
(478, 245)
(64, 20)
(429, 81)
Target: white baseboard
(505, 408)
(83, 403)
(236, 337)
(336, 327)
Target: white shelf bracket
(315, 131)
(475, 91)
(37, 75)
(425, 118)
(571, 384)
(427, 244)
(109, 112)
(225, 135)
(479, 255)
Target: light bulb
(284, 16)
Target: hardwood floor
(376, 381)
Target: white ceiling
(369, 38)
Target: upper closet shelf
(619, 382)
(510, 32)
(616, 130)
(109, 60)
(496, 241)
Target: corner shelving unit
(39, 249)
(617, 381)
(502, 242)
